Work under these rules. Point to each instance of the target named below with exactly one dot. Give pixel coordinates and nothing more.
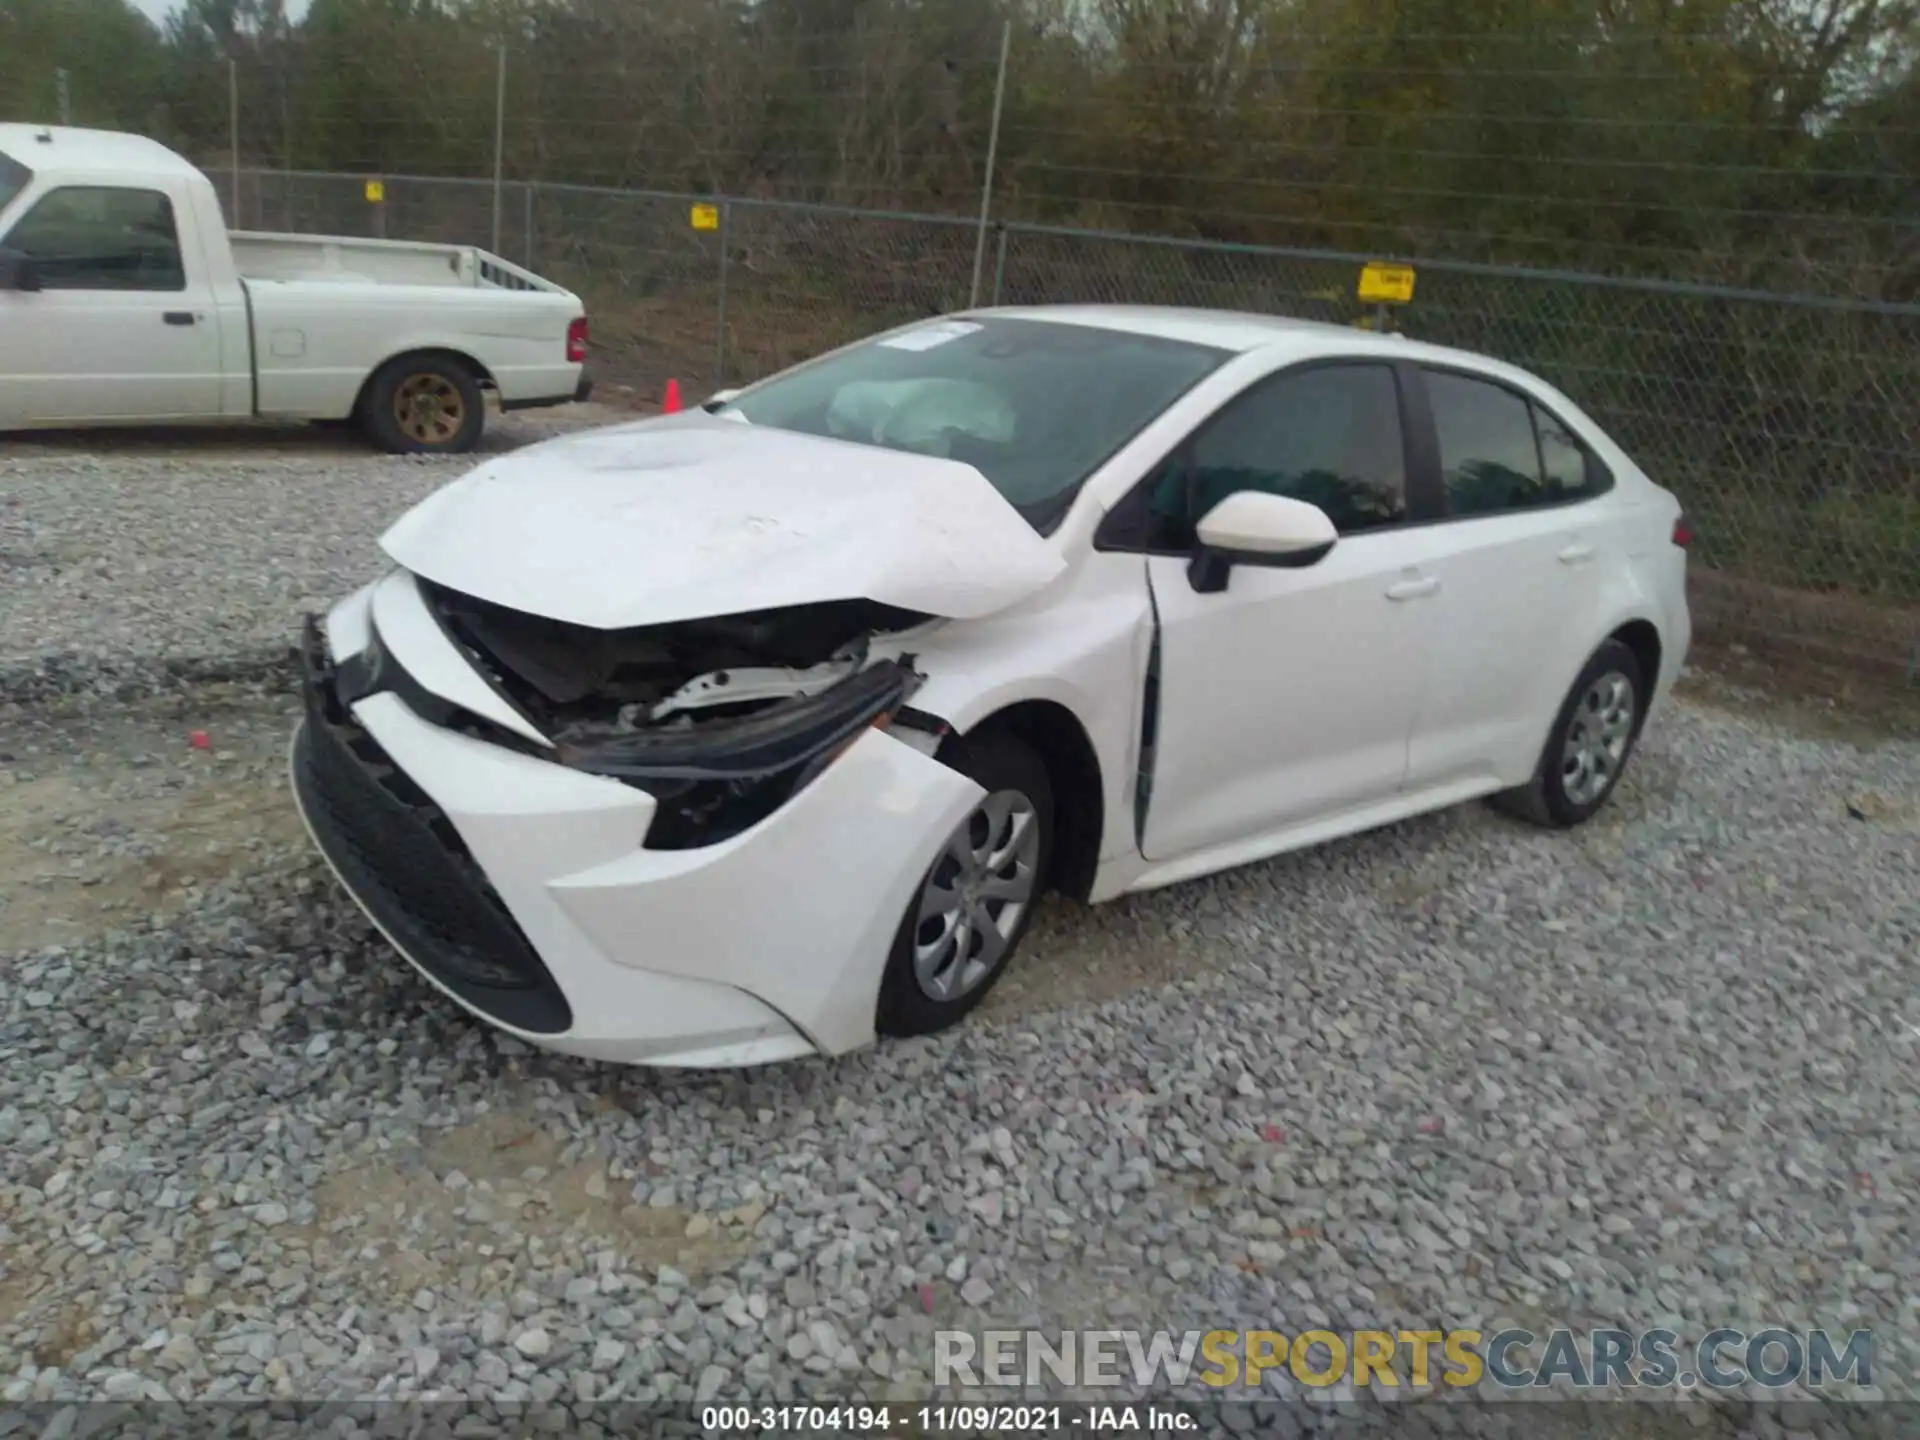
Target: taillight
(577, 341)
(1682, 532)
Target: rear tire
(1589, 745)
(972, 909)
(424, 405)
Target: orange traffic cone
(671, 404)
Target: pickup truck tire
(423, 405)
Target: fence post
(993, 149)
(531, 187)
(64, 97)
(720, 336)
(1000, 264)
(499, 139)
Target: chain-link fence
(1788, 425)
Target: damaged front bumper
(531, 889)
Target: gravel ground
(187, 551)
(1452, 1073)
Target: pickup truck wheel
(424, 405)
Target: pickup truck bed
(124, 298)
(259, 255)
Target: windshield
(1035, 406)
(13, 178)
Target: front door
(123, 327)
(1290, 695)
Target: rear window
(14, 178)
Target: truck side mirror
(18, 271)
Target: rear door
(123, 327)
(1521, 556)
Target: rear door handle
(1577, 554)
(178, 317)
(1413, 589)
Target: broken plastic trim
(716, 780)
(753, 745)
(374, 670)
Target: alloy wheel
(975, 896)
(1597, 738)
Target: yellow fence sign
(376, 192)
(1386, 284)
(705, 217)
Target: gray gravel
(187, 551)
(1457, 1072)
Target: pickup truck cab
(124, 299)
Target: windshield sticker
(929, 336)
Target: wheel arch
(1642, 637)
(1061, 740)
(1632, 627)
(482, 376)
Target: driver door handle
(178, 317)
(1413, 589)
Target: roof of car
(1222, 329)
(89, 152)
(1241, 331)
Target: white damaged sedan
(752, 732)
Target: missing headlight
(713, 781)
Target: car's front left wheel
(977, 899)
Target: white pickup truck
(124, 299)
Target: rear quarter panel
(1648, 583)
(1660, 573)
(1652, 585)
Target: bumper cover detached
(520, 887)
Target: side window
(1330, 436)
(102, 238)
(1489, 457)
(1571, 472)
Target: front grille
(406, 865)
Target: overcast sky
(158, 10)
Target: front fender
(1086, 651)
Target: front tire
(424, 405)
(1589, 745)
(977, 899)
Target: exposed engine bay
(719, 718)
(577, 685)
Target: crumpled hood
(693, 515)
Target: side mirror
(1251, 527)
(720, 397)
(18, 271)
